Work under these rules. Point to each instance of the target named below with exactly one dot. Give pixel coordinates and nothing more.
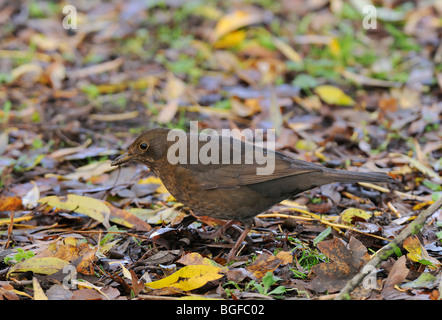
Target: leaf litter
(336, 93)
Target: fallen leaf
(235, 20)
(86, 265)
(194, 258)
(127, 219)
(159, 216)
(43, 265)
(287, 50)
(96, 209)
(136, 285)
(60, 153)
(417, 253)
(188, 278)
(30, 199)
(173, 91)
(334, 46)
(230, 40)
(7, 292)
(38, 291)
(154, 180)
(245, 108)
(334, 95)
(90, 170)
(33, 71)
(87, 294)
(425, 280)
(345, 263)
(286, 257)
(419, 166)
(93, 208)
(351, 215)
(264, 263)
(396, 276)
(10, 204)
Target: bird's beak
(125, 157)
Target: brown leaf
(239, 274)
(194, 258)
(263, 264)
(87, 294)
(86, 265)
(10, 204)
(7, 292)
(137, 285)
(127, 219)
(285, 256)
(396, 276)
(345, 263)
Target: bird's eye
(143, 146)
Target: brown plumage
(228, 190)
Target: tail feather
(335, 175)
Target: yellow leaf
(154, 180)
(126, 272)
(245, 109)
(334, 47)
(417, 253)
(44, 265)
(350, 215)
(93, 208)
(188, 278)
(90, 170)
(174, 89)
(230, 40)
(38, 291)
(235, 20)
(334, 95)
(97, 210)
(208, 12)
(33, 69)
(287, 50)
(418, 165)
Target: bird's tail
(335, 175)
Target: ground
(343, 83)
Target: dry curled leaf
(345, 262)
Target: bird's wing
(233, 176)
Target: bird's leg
(220, 232)
(235, 248)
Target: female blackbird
(230, 189)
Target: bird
(230, 190)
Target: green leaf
(305, 81)
(433, 186)
(435, 196)
(278, 290)
(269, 280)
(396, 249)
(324, 234)
(425, 280)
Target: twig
(401, 195)
(387, 250)
(336, 226)
(10, 227)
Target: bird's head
(149, 147)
